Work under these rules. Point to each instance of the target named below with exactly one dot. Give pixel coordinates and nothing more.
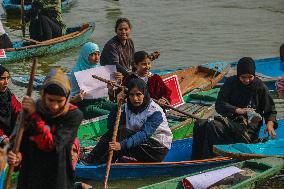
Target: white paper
(94, 88)
(204, 180)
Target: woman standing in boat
(45, 155)
(120, 49)
(157, 88)
(45, 20)
(10, 107)
(244, 100)
(89, 58)
(144, 132)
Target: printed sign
(176, 96)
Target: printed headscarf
(59, 81)
(280, 87)
(142, 87)
(83, 64)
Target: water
(187, 32)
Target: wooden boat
(74, 37)
(11, 7)
(176, 163)
(254, 172)
(247, 151)
(199, 78)
(258, 150)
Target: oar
(21, 123)
(164, 105)
(23, 18)
(114, 135)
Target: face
(4, 80)
(94, 58)
(136, 97)
(55, 103)
(123, 31)
(246, 78)
(143, 67)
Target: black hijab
(5, 103)
(142, 87)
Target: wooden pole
(21, 123)
(23, 24)
(164, 105)
(114, 136)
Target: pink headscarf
(280, 87)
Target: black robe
(50, 169)
(233, 95)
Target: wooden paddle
(23, 24)
(21, 123)
(114, 136)
(164, 105)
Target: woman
(45, 20)
(10, 107)
(282, 53)
(144, 133)
(5, 41)
(120, 50)
(45, 155)
(241, 98)
(89, 58)
(157, 88)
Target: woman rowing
(45, 155)
(156, 86)
(89, 58)
(144, 132)
(120, 49)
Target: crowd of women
(49, 150)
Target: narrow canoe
(258, 170)
(176, 163)
(74, 37)
(13, 8)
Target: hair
(282, 52)
(54, 89)
(3, 69)
(139, 56)
(121, 20)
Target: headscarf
(77, 146)
(5, 102)
(142, 87)
(83, 64)
(55, 83)
(246, 65)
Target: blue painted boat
(177, 162)
(246, 151)
(11, 6)
(74, 37)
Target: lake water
(187, 32)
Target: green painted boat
(254, 172)
(74, 37)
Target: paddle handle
(21, 123)
(164, 105)
(114, 136)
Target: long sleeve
(222, 104)
(269, 111)
(147, 130)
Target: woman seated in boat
(52, 125)
(5, 41)
(157, 88)
(89, 58)
(120, 49)
(144, 132)
(244, 100)
(10, 107)
(45, 20)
